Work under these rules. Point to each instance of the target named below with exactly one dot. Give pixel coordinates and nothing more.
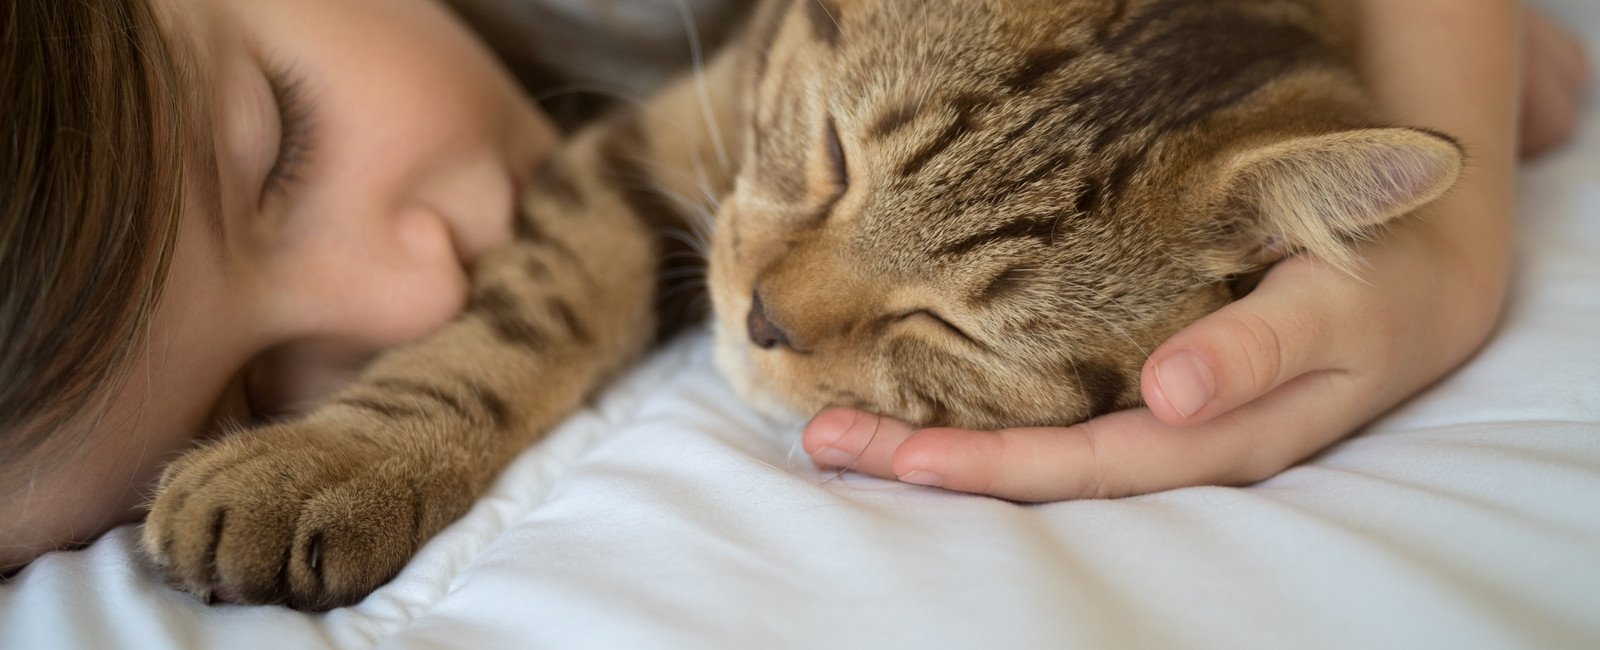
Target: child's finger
(1246, 349)
(1574, 66)
(1133, 452)
(842, 438)
(1549, 112)
(1556, 46)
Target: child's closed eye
(296, 129)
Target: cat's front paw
(297, 514)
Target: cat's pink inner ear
(1314, 194)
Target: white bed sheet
(670, 515)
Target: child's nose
(375, 279)
(424, 235)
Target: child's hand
(1311, 355)
(1305, 359)
(1555, 70)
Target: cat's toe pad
(284, 515)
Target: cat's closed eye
(841, 167)
(933, 317)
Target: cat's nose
(763, 332)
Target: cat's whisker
(696, 217)
(797, 445)
(710, 204)
(676, 290)
(824, 7)
(697, 55)
(699, 248)
(705, 205)
(577, 88)
(700, 215)
(1076, 374)
(681, 273)
(1121, 330)
(703, 232)
(696, 261)
(699, 178)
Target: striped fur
(1042, 191)
(979, 213)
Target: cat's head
(988, 213)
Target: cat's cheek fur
(732, 355)
(730, 352)
(730, 278)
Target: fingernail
(1187, 382)
(922, 477)
(834, 457)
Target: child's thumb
(1239, 353)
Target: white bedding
(670, 515)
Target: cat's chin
(732, 357)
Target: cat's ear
(1314, 194)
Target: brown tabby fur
(1025, 198)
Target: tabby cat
(978, 213)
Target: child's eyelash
(294, 112)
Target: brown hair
(89, 198)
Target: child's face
(404, 146)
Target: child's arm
(1312, 354)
